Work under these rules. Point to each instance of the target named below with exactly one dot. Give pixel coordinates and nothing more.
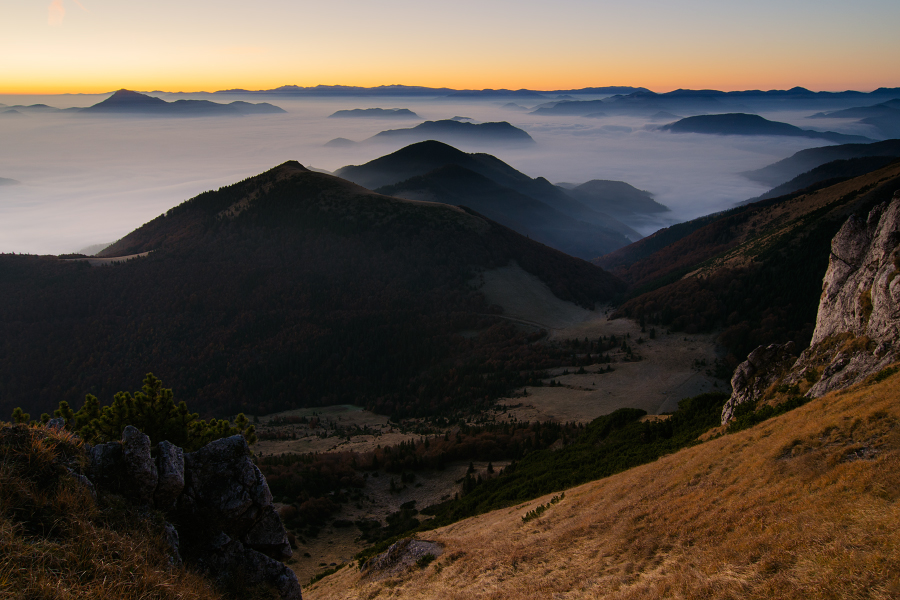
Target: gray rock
(139, 465)
(399, 557)
(764, 367)
(106, 467)
(170, 474)
(858, 323)
(84, 481)
(57, 423)
(269, 536)
(223, 558)
(173, 542)
(222, 481)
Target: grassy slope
(782, 510)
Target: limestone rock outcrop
(858, 324)
(765, 366)
(219, 509)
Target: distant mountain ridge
(129, 102)
(405, 90)
(646, 103)
(748, 124)
(805, 160)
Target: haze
(87, 180)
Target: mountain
(884, 116)
(883, 109)
(828, 174)
(616, 198)
(753, 272)
(453, 131)
(744, 124)
(424, 157)
(292, 288)
(456, 185)
(806, 160)
(128, 102)
(379, 113)
(6, 181)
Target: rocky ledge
(858, 323)
(218, 507)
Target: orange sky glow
(96, 46)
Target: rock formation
(219, 504)
(858, 323)
(765, 366)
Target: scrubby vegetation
(152, 410)
(57, 542)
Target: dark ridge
(806, 160)
(745, 124)
(498, 132)
(380, 113)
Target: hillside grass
(57, 542)
(803, 505)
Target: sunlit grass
(804, 505)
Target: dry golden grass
(804, 505)
(56, 543)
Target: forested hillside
(289, 289)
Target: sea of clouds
(86, 180)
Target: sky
(95, 46)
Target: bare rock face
(858, 324)
(170, 470)
(225, 558)
(222, 517)
(223, 484)
(139, 465)
(764, 367)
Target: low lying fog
(86, 179)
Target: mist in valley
(86, 180)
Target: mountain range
(692, 102)
(564, 219)
(805, 160)
(135, 103)
(289, 288)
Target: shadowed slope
(292, 288)
(424, 157)
(459, 186)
